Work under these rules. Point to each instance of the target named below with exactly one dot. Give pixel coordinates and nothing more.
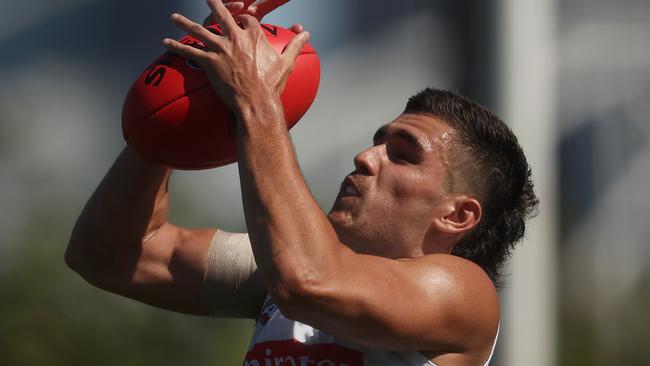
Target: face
(386, 205)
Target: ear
(460, 214)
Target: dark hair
(487, 163)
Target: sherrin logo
(294, 353)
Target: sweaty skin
(374, 271)
(405, 172)
(308, 265)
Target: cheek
(414, 186)
(415, 195)
(405, 192)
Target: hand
(258, 9)
(243, 69)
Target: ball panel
(301, 88)
(164, 81)
(196, 144)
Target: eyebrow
(380, 134)
(402, 133)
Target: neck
(436, 242)
(387, 246)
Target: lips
(350, 188)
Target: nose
(367, 162)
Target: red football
(172, 117)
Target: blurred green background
(50, 316)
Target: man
(371, 283)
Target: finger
(196, 30)
(260, 8)
(222, 16)
(235, 8)
(234, 4)
(183, 50)
(297, 28)
(248, 21)
(246, 3)
(292, 50)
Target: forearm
(248, 75)
(127, 207)
(292, 238)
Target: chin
(342, 223)
(340, 217)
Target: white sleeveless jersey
(279, 341)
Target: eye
(397, 153)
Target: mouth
(349, 188)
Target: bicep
(191, 271)
(166, 271)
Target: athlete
(402, 271)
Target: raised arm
(123, 243)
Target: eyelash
(400, 157)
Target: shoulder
(464, 272)
(459, 272)
(466, 295)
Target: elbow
(82, 257)
(79, 258)
(297, 296)
(303, 289)
(69, 257)
(73, 256)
